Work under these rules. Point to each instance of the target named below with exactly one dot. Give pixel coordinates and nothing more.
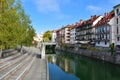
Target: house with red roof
(104, 30)
(73, 34)
(63, 34)
(85, 32)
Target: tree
(15, 25)
(47, 36)
(112, 48)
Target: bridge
(42, 48)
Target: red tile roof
(105, 19)
(89, 21)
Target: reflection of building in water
(72, 66)
(67, 65)
(53, 59)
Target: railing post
(43, 51)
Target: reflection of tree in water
(86, 68)
(50, 49)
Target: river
(63, 66)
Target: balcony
(103, 32)
(89, 33)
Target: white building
(117, 24)
(104, 30)
(85, 31)
(53, 33)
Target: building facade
(53, 33)
(104, 30)
(73, 34)
(63, 35)
(66, 34)
(85, 32)
(58, 37)
(99, 30)
(117, 24)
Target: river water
(63, 66)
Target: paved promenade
(39, 69)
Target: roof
(91, 20)
(105, 19)
(79, 24)
(87, 22)
(116, 6)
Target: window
(117, 20)
(117, 30)
(98, 42)
(105, 42)
(118, 38)
(117, 11)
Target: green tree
(15, 25)
(47, 36)
(112, 48)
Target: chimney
(105, 14)
(81, 21)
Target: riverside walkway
(39, 69)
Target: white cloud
(52, 7)
(46, 6)
(94, 8)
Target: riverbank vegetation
(15, 25)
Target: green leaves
(47, 36)
(15, 25)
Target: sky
(54, 14)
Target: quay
(39, 69)
(24, 65)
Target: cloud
(53, 7)
(94, 8)
(46, 6)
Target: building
(105, 30)
(85, 32)
(38, 37)
(99, 30)
(65, 34)
(54, 34)
(58, 37)
(73, 34)
(117, 24)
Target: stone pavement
(39, 69)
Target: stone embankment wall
(105, 56)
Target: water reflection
(71, 67)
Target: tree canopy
(47, 36)
(15, 25)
